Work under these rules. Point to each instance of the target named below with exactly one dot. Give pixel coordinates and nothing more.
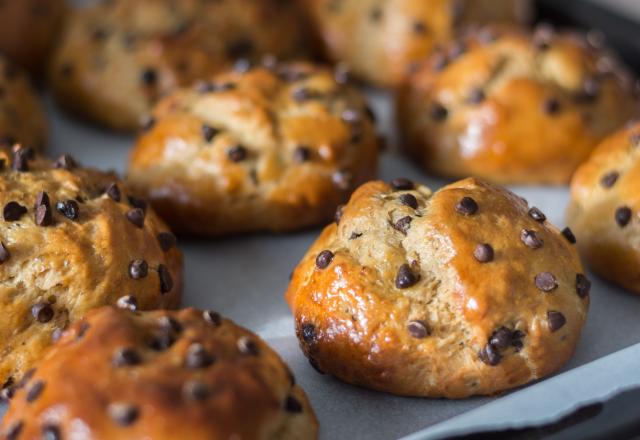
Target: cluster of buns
(464, 291)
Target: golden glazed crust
(161, 375)
(28, 30)
(264, 150)
(60, 261)
(380, 41)
(513, 107)
(451, 294)
(116, 59)
(21, 115)
(605, 208)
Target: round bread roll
(463, 292)
(513, 107)
(21, 114)
(28, 29)
(264, 149)
(604, 210)
(117, 58)
(380, 41)
(160, 375)
(73, 239)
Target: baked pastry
(115, 59)
(160, 375)
(513, 107)
(380, 41)
(604, 211)
(466, 291)
(21, 115)
(73, 239)
(28, 29)
(268, 149)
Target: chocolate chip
(409, 200)
(240, 48)
(590, 90)
(125, 357)
(113, 192)
(546, 281)
(69, 209)
(197, 357)
(42, 312)
(537, 215)
(324, 259)
(4, 253)
(208, 132)
(292, 405)
(136, 216)
(338, 215)
(123, 414)
(242, 65)
(13, 211)
(6, 394)
(128, 302)
(247, 346)
(65, 162)
(583, 285)
(43, 215)
(556, 320)
(483, 253)
(82, 330)
(531, 239)
(467, 206)
(237, 153)
(302, 94)
(167, 241)
(21, 158)
(147, 123)
(51, 432)
(355, 235)
(402, 184)
(609, 179)
(419, 27)
(301, 154)
(195, 390)
(166, 281)
(418, 329)
(551, 106)
(403, 224)
(149, 77)
(438, 112)
(342, 180)
(35, 390)
(212, 317)
(489, 355)
(623, 216)
(405, 277)
(568, 234)
(14, 430)
(137, 202)
(138, 269)
(476, 96)
(308, 333)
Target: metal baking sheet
(245, 278)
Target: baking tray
(245, 278)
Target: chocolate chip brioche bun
(73, 239)
(381, 41)
(273, 148)
(465, 291)
(160, 375)
(117, 58)
(604, 210)
(513, 107)
(22, 118)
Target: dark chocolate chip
(13, 211)
(338, 214)
(292, 405)
(419, 27)
(14, 430)
(237, 153)
(405, 277)
(149, 77)
(489, 355)
(147, 123)
(623, 216)
(409, 200)
(583, 285)
(212, 317)
(125, 357)
(128, 302)
(531, 239)
(21, 158)
(113, 192)
(242, 65)
(167, 241)
(418, 329)
(138, 269)
(35, 390)
(301, 154)
(195, 390)
(501, 339)
(42, 312)
(136, 216)
(137, 202)
(568, 234)
(375, 15)
(324, 259)
(609, 179)
(308, 333)
(438, 112)
(546, 281)
(65, 162)
(483, 253)
(476, 96)
(51, 432)
(301, 94)
(197, 357)
(556, 320)
(247, 346)
(240, 48)
(4, 253)
(166, 281)
(355, 235)
(342, 179)
(43, 215)
(123, 414)
(551, 106)
(402, 184)
(208, 132)
(537, 215)
(467, 206)
(403, 224)
(70, 209)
